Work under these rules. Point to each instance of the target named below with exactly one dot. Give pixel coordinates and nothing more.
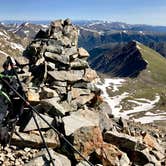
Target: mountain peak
(128, 60)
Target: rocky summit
(61, 86)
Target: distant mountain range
(98, 24)
(129, 60)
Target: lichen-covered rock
(87, 140)
(111, 155)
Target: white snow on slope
(26, 31)
(44, 25)
(151, 117)
(16, 46)
(113, 102)
(142, 105)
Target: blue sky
(131, 11)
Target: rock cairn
(60, 84)
(60, 68)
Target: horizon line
(49, 20)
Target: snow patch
(17, 46)
(142, 106)
(141, 32)
(44, 26)
(26, 32)
(113, 102)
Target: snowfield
(141, 104)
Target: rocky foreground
(60, 84)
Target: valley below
(125, 103)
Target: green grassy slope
(156, 63)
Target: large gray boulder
(42, 159)
(86, 118)
(122, 140)
(52, 107)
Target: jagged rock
(90, 75)
(76, 92)
(55, 27)
(32, 126)
(123, 141)
(71, 52)
(159, 156)
(86, 140)
(124, 125)
(66, 42)
(48, 93)
(51, 134)
(81, 100)
(105, 123)
(52, 107)
(150, 141)
(56, 57)
(54, 49)
(33, 96)
(81, 118)
(32, 140)
(137, 151)
(72, 33)
(82, 53)
(79, 64)
(111, 155)
(144, 157)
(54, 42)
(105, 108)
(67, 22)
(59, 89)
(60, 83)
(73, 75)
(57, 23)
(42, 159)
(69, 107)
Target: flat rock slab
(32, 126)
(76, 92)
(56, 57)
(81, 118)
(53, 107)
(81, 100)
(32, 141)
(79, 64)
(42, 159)
(72, 75)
